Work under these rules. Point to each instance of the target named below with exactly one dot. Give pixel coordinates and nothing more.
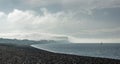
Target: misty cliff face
(35, 36)
(23, 42)
(31, 38)
(61, 39)
(29, 42)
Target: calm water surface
(108, 50)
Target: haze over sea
(106, 50)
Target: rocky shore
(12, 54)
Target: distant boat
(101, 43)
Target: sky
(83, 21)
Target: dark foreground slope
(10, 54)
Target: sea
(103, 50)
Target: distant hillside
(24, 42)
(28, 42)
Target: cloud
(78, 18)
(82, 4)
(48, 22)
(60, 22)
(3, 22)
(27, 20)
(41, 2)
(65, 23)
